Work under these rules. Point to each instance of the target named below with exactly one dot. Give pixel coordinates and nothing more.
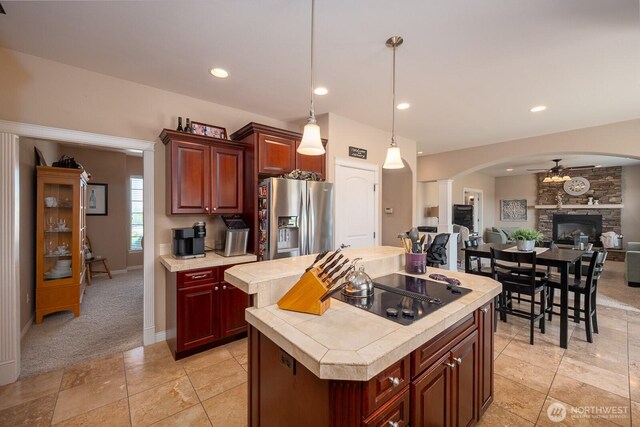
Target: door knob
(458, 360)
(215, 289)
(451, 365)
(395, 381)
(224, 286)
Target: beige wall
(427, 195)
(134, 168)
(631, 200)
(622, 139)
(397, 186)
(39, 91)
(516, 187)
(344, 132)
(50, 150)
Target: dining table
(560, 258)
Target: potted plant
(526, 238)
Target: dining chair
(473, 243)
(587, 288)
(517, 273)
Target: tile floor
(145, 386)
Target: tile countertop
(211, 259)
(268, 281)
(347, 343)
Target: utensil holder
(305, 295)
(415, 263)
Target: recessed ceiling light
(219, 72)
(419, 152)
(510, 170)
(321, 91)
(538, 108)
(403, 106)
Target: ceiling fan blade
(541, 170)
(580, 167)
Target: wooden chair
(474, 243)
(517, 273)
(93, 260)
(586, 287)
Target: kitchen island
(350, 367)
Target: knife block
(305, 295)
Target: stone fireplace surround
(606, 186)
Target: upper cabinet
(276, 150)
(204, 174)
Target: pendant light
(394, 160)
(311, 144)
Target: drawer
(395, 411)
(425, 356)
(384, 386)
(197, 277)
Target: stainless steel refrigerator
(295, 218)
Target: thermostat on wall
(388, 210)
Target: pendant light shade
(394, 159)
(311, 144)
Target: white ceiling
(471, 69)
(520, 166)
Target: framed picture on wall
(97, 199)
(513, 210)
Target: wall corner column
(9, 258)
(445, 221)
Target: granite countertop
(211, 259)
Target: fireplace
(566, 227)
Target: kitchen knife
(318, 258)
(340, 276)
(331, 265)
(331, 257)
(331, 292)
(335, 270)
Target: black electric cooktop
(405, 309)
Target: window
(136, 232)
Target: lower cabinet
(446, 382)
(203, 310)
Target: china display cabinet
(60, 236)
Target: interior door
(356, 216)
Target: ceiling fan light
(311, 144)
(547, 179)
(393, 160)
(566, 178)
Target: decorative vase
(590, 202)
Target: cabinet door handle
(199, 276)
(485, 310)
(206, 208)
(224, 286)
(458, 360)
(215, 289)
(395, 381)
(451, 365)
(394, 424)
(215, 209)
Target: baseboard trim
(161, 336)
(135, 267)
(9, 372)
(116, 272)
(26, 327)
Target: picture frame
(209, 130)
(97, 199)
(514, 210)
(40, 160)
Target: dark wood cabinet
(190, 183)
(446, 382)
(204, 175)
(270, 152)
(485, 338)
(203, 310)
(227, 170)
(197, 311)
(431, 396)
(276, 155)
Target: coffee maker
(189, 242)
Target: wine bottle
(188, 127)
(92, 200)
(179, 129)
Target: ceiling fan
(558, 168)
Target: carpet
(111, 319)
